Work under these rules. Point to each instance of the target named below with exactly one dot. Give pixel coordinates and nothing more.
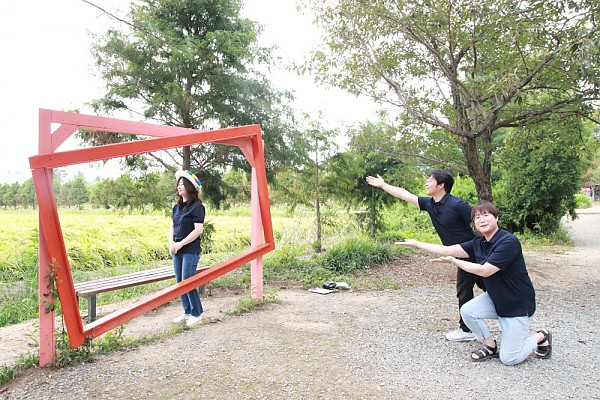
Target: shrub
(541, 169)
(285, 258)
(404, 221)
(354, 254)
(583, 201)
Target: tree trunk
(318, 244)
(187, 157)
(480, 172)
(372, 212)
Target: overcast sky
(46, 63)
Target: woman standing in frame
(184, 241)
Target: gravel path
(353, 345)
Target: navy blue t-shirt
(510, 288)
(183, 224)
(451, 218)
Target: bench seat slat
(86, 289)
(118, 280)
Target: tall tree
(4, 188)
(193, 64)
(79, 194)
(380, 153)
(306, 185)
(470, 68)
(26, 194)
(10, 195)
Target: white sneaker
(181, 318)
(193, 320)
(460, 336)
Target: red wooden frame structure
(53, 261)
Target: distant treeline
(151, 191)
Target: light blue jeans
(517, 345)
(185, 266)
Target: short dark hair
(443, 176)
(483, 207)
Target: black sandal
(485, 353)
(544, 352)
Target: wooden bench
(90, 289)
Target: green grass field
(101, 243)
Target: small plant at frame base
(8, 373)
(247, 303)
(65, 355)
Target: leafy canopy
(469, 68)
(193, 64)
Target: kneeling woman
(510, 296)
(184, 241)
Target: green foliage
(104, 243)
(536, 241)
(97, 245)
(542, 166)
(9, 195)
(246, 304)
(102, 194)
(464, 188)
(207, 241)
(113, 240)
(376, 151)
(73, 193)
(592, 175)
(18, 301)
(194, 64)
(111, 340)
(26, 194)
(463, 67)
(238, 278)
(284, 262)
(79, 194)
(312, 173)
(404, 221)
(151, 191)
(318, 274)
(236, 187)
(8, 373)
(65, 355)
(583, 201)
(354, 254)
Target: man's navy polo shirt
(451, 218)
(510, 288)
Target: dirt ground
(247, 347)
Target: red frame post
(53, 255)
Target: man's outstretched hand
(445, 260)
(377, 182)
(409, 242)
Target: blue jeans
(517, 345)
(185, 267)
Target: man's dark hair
(443, 176)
